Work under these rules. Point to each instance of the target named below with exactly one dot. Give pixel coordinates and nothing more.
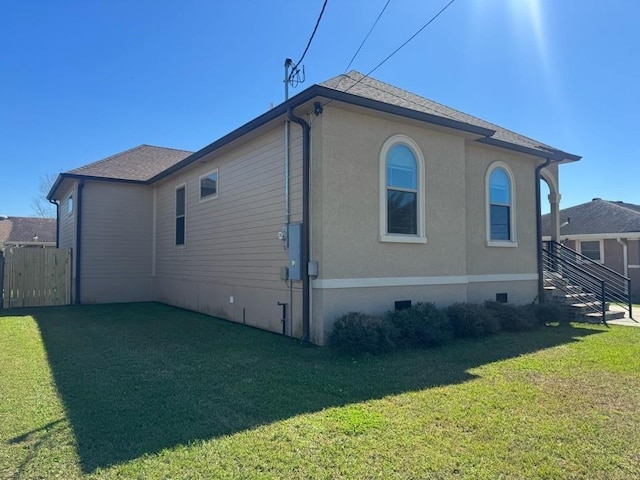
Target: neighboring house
(382, 196)
(27, 232)
(606, 232)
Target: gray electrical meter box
(295, 251)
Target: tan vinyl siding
(67, 237)
(67, 231)
(116, 242)
(231, 245)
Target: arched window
(402, 191)
(500, 205)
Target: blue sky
(84, 79)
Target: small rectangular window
(591, 249)
(180, 215)
(209, 185)
(70, 204)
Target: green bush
(355, 333)
(513, 318)
(423, 324)
(550, 313)
(472, 320)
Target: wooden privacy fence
(36, 277)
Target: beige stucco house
(377, 196)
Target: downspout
(306, 134)
(625, 257)
(539, 228)
(57, 221)
(78, 240)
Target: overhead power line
(401, 46)
(310, 38)
(367, 36)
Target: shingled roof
(139, 164)
(22, 230)
(596, 217)
(355, 83)
(148, 164)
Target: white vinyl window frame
(600, 245)
(178, 216)
(206, 176)
(70, 204)
(384, 235)
(513, 238)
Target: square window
(209, 185)
(591, 250)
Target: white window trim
(600, 242)
(210, 197)
(512, 210)
(70, 205)
(384, 236)
(175, 215)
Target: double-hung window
(180, 215)
(592, 249)
(500, 206)
(402, 191)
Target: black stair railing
(593, 277)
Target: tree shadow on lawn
(139, 378)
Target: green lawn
(149, 391)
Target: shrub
(355, 333)
(423, 324)
(550, 313)
(513, 318)
(472, 320)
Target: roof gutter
(556, 156)
(306, 220)
(330, 94)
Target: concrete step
(590, 305)
(597, 317)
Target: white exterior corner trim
(336, 283)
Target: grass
(149, 391)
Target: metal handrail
(570, 265)
(588, 260)
(614, 286)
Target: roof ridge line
(491, 125)
(159, 146)
(107, 158)
(623, 205)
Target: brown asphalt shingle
(23, 229)
(140, 163)
(355, 83)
